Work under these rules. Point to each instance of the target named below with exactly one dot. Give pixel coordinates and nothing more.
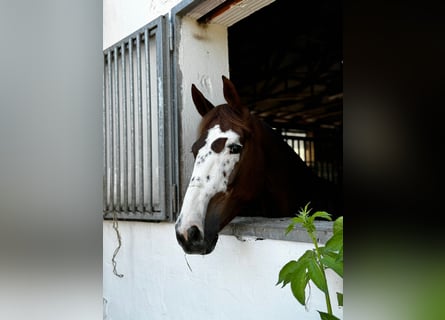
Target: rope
(113, 261)
(185, 257)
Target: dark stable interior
(286, 62)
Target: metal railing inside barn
(321, 155)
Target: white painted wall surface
(203, 59)
(123, 17)
(235, 282)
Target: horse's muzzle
(195, 242)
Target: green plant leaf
(298, 220)
(305, 211)
(336, 254)
(298, 286)
(340, 255)
(332, 263)
(317, 276)
(327, 316)
(338, 225)
(295, 273)
(335, 243)
(307, 256)
(285, 274)
(340, 299)
(289, 228)
(328, 252)
(320, 214)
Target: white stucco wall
(236, 281)
(203, 59)
(122, 17)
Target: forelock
(227, 119)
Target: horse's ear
(231, 95)
(201, 103)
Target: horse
(242, 167)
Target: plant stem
(326, 294)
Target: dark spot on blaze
(218, 145)
(199, 144)
(208, 178)
(224, 173)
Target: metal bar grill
(124, 139)
(132, 150)
(135, 93)
(309, 149)
(148, 163)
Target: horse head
(211, 200)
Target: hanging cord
(116, 228)
(185, 257)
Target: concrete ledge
(256, 228)
(275, 228)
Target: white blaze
(210, 176)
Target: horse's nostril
(193, 234)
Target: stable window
(137, 121)
(286, 63)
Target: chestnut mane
(227, 119)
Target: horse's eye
(235, 148)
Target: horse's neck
(280, 157)
(289, 182)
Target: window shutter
(137, 113)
